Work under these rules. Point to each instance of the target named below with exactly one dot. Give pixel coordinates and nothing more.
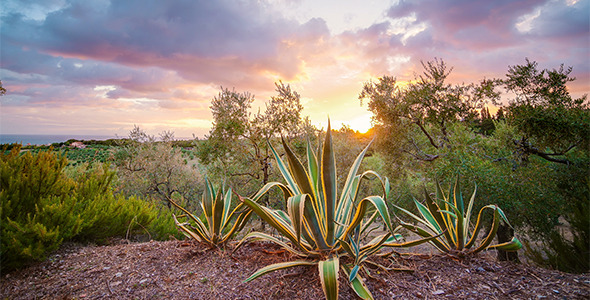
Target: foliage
(425, 106)
(447, 215)
(567, 247)
(236, 149)
(154, 169)
(214, 227)
(319, 227)
(41, 207)
(551, 123)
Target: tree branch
(427, 134)
(257, 176)
(547, 156)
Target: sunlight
(361, 124)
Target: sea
(41, 139)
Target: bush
(42, 206)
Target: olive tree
(237, 145)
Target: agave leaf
(428, 217)
(425, 234)
(312, 166)
(381, 207)
(434, 209)
(430, 226)
(373, 247)
(226, 208)
(366, 224)
(217, 214)
(456, 221)
(387, 187)
(285, 171)
(187, 232)
(279, 266)
(353, 273)
(495, 224)
(260, 236)
(314, 232)
(241, 220)
(298, 171)
(393, 242)
(468, 213)
(477, 227)
(358, 285)
(287, 193)
(503, 216)
(459, 218)
(207, 201)
(328, 176)
(458, 197)
(512, 245)
(295, 206)
(345, 207)
(272, 219)
(201, 228)
(348, 248)
(352, 173)
(329, 277)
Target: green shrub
(35, 202)
(164, 226)
(42, 206)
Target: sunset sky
(98, 67)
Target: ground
(185, 270)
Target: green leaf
(380, 206)
(434, 209)
(258, 236)
(512, 245)
(358, 285)
(295, 207)
(217, 214)
(353, 273)
(328, 176)
(226, 208)
(280, 266)
(285, 171)
(298, 172)
(241, 220)
(329, 277)
(312, 166)
(272, 219)
(495, 224)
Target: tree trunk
(505, 234)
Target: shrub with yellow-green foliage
(41, 207)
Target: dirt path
(182, 270)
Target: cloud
(193, 37)
(167, 59)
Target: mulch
(185, 270)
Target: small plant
(445, 216)
(213, 226)
(320, 227)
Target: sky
(99, 67)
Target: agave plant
(320, 227)
(214, 227)
(447, 217)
